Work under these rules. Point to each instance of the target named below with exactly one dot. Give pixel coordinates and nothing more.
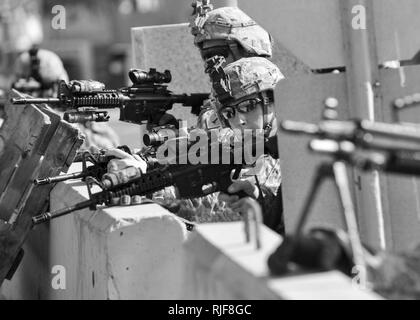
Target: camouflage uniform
(233, 28)
(50, 70)
(242, 80)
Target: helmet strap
(268, 124)
(34, 64)
(234, 49)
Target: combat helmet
(231, 26)
(246, 79)
(42, 65)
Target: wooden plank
(23, 131)
(55, 151)
(60, 153)
(21, 182)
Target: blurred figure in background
(37, 73)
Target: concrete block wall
(114, 253)
(220, 265)
(144, 252)
(171, 47)
(311, 29)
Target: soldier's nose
(242, 120)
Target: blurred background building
(96, 40)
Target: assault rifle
(191, 181)
(98, 168)
(146, 101)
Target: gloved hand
(121, 170)
(124, 160)
(239, 205)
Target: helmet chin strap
(267, 124)
(34, 64)
(234, 49)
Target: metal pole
(363, 94)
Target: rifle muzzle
(25, 101)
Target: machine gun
(363, 144)
(146, 101)
(364, 133)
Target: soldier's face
(251, 120)
(246, 115)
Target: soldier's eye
(248, 105)
(208, 53)
(228, 112)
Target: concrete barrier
(115, 253)
(145, 252)
(220, 265)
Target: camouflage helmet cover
(246, 77)
(231, 23)
(51, 67)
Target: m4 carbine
(146, 101)
(191, 181)
(98, 168)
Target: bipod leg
(343, 187)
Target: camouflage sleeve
(272, 206)
(200, 210)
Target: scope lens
(151, 139)
(138, 76)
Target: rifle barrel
(64, 177)
(25, 101)
(392, 130)
(300, 127)
(52, 215)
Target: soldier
(38, 72)
(246, 95)
(230, 33)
